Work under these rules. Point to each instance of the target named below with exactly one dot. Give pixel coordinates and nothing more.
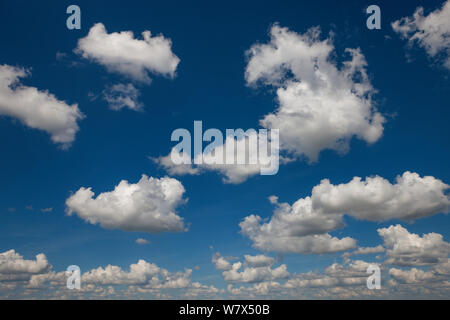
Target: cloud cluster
(431, 32)
(36, 279)
(296, 229)
(409, 249)
(254, 269)
(214, 159)
(122, 53)
(376, 199)
(257, 276)
(12, 263)
(320, 106)
(303, 226)
(37, 109)
(148, 205)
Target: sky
(86, 118)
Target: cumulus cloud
(320, 106)
(220, 262)
(255, 277)
(259, 260)
(338, 281)
(413, 275)
(376, 199)
(278, 236)
(303, 226)
(409, 249)
(297, 228)
(139, 273)
(351, 273)
(13, 263)
(140, 279)
(431, 32)
(233, 173)
(121, 96)
(120, 52)
(255, 269)
(37, 109)
(148, 205)
(250, 274)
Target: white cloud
(113, 281)
(376, 199)
(296, 229)
(140, 273)
(259, 260)
(413, 275)
(220, 262)
(148, 205)
(121, 96)
(122, 53)
(365, 250)
(409, 249)
(251, 275)
(278, 236)
(37, 109)
(321, 106)
(233, 173)
(431, 32)
(255, 269)
(303, 227)
(13, 263)
(142, 241)
(20, 278)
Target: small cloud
(60, 55)
(11, 209)
(30, 208)
(47, 210)
(121, 96)
(142, 241)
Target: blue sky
(211, 40)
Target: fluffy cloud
(376, 199)
(409, 249)
(220, 262)
(303, 226)
(339, 281)
(413, 275)
(148, 205)
(351, 273)
(259, 260)
(250, 275)
(121, 96)
(13, 263)
(21, 278)
(141, 272)
(321, 106)
(122, 53)
(256, 275)
(276, 235)
(37, 109)
(233, 173)
(255, 269)
(296, 229)
(431, 32)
